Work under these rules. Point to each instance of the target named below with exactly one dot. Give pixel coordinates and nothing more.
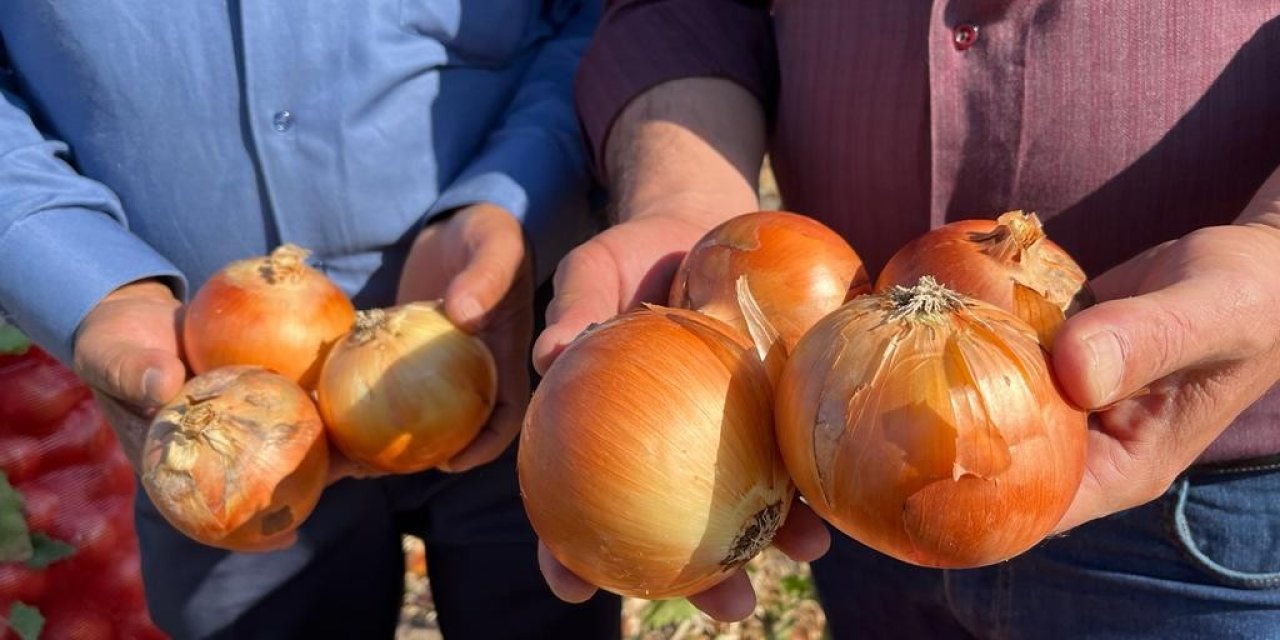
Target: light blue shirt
(142, 138)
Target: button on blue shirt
(142, 139)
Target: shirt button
(964, 36)
(282, 121)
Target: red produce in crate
(69, 564)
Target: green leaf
(15, 538)
(46, 551)
(663, 613)
(797, 586)
(12, 342)
(26, 621)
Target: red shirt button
(964, 36)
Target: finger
(728, 601)
(564, 583)
(340, 467)
(586, 291)
(130, 425)
(1118, 347)
(143, 377)
(508, 340)
(803, 537)
(496, 253)
(492, 440)
(1097, 496)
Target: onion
(1007, 262)
(238, 461)
(406, 389)
(648, 461)
(927, 425)
(276, 312)
(798, 270)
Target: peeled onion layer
(943, 444)
(239, 461)
(648, 462)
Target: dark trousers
(344, 577)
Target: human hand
(802, 537)
(127, 352)
(626, 265)
(476, 260)
(615, 271)
(1183, 340)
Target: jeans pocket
(1228, 526)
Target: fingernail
(469, 311)
(1106, 366)
(152, 381)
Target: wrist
(147, 288)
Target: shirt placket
(271, 92)
(977, 89)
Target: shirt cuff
(530, 182)
(642, 44)
(60, 263)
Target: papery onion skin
(648, 462)
(406, 389)
(990, 260)
(797, 268)
(274, 311)
(942, 441)
(238, 461)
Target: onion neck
(286, 264)
(1015, 232)
(182, 450)
(927, 302)
(370, 322)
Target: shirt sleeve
(643, 43)
(64, 243)
(534, 164)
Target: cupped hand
(477, 262)
(615, 271)
(1184, 339)
(127, 351)
(802, 537)
(628, 264)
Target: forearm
(693, 145)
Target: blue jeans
(345, 575)
(1202, 561)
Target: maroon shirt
(1123, 124)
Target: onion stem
(924, 303)
(285, 264)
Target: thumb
(493, 265)
(143, 377)
(1113, 350)
(581, 298)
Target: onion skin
(1008, 262)
(406, 389)
(238, 461)
(276, 312)
(797, 268)
(940, 438)
(648, 462)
